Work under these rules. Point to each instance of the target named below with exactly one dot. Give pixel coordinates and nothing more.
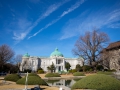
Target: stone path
(64, 88)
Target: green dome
(56, 53)
(26, 55)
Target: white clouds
(20, 27)
(95, 19)
(49, 24)
(21, 35)
(117, 25)
(114, 16)
(50, 10)
(72, 8)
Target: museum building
(56, 58)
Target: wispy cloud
(75, 6)
(49, 24)
(72, 8)
(87, 21)
(21, 29)
(116, 25)
(50, 10)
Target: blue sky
(39, 26)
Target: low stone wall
(116, 73)
(72, 77)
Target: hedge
(72, 71)
(52, 75)
(32, 80)
(99, 67)
(12, 77)
(106, 72)
(40, 71)
(86, 68)
(78, 74)
(97, 82)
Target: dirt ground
(65, 76)
(8, 85)
(12, 85)
(43, 75)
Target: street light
(44, 65)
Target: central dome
(56, 53)
(26, 55)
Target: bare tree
(6, 53)
(90, 45)
(18, 60)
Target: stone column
(56, 61)
(64, 64)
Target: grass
(32, 80)
(12, 77)
(78, 74)
(106, 73)
(52, 75)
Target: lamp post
(26, 81)
(44, 65)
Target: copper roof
(113, 45)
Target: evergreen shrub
(113, 70)
(52, 75)
(99, 67)
(76, 79)
(39, 68)
(27, 70)
(78, 74)
(105, 72)
(32, 80)
(40, 71)
(97, 82)
(12, 77)
(86, 68)
(70, 71)
(74, 70)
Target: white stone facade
(115, 60)
(33, 63)
(111, 56)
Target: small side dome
(56, 53)
(26, 55)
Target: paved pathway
(64, 88)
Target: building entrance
(59, 68)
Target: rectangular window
(59, 61)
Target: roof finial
(56, 49)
